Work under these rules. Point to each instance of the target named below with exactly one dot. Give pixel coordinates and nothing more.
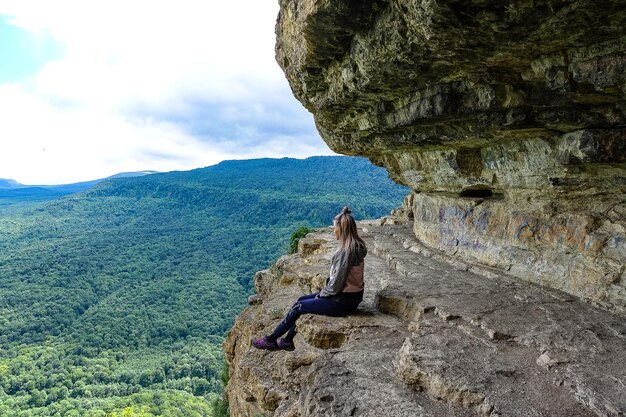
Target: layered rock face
(506, 119)
(434, 336)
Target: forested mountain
(116, 300)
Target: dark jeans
(311, 305)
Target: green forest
(115, 301)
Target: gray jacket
(346, 272)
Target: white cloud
(141, 80)
(44, 144)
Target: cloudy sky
(92, 88)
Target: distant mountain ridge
(14, 193)
(10, 183)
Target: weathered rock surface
(507, 119)
(382, 76)
(434, 336)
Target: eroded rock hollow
(507, 119)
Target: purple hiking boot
(284, 345)
(263, 343)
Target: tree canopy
(115, 301)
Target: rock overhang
(507, 120)
(385, 79)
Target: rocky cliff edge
(434, 336)
(502, 289)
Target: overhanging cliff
(506, 119)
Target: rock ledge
(433, 337)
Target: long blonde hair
(348, 234)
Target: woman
(341, 295)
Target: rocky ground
(434, 336)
